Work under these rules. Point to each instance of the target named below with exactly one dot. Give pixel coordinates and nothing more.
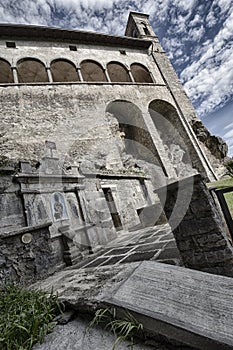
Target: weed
(123, 329)
(25, 316)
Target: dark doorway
(112, 208)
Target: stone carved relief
(58, 207)
(35, 210)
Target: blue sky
(196, 34)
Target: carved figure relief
(58, 207)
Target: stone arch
(140, 73)
(92, 71)
(137, 139)
(118, 72)
(6, 75)
(173, 135)
(63, 70)
(31, 70)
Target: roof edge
(71, 35)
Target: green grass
(229, 200)
(123, 329)
(224, 183)
(26, 316)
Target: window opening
(112, 208)
(10, 44)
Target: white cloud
(211, 20)
(185, 5)
(196, 33)
(211, 75)
(228, 126)
(195, 21)
(229, 135)
(225, 5)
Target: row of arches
(31, 70)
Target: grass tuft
(123, 329)
(26, 316)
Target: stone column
(15, 75)
(48, 69)
(107, 75)
(165, 161)
(80, 74)
(152, 77)
(197, 226)
(131, 76)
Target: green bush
(25, 316)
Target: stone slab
(186, 305)
(77, 335)
(83, 289)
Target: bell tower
(138, 26)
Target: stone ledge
(23, 230)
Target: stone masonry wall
(26, 254)
(199, 231)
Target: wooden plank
(195, 306)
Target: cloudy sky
(196, 34)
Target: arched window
(6, 75)
(92, 71)
(140, 73)
(118, 73)
(64, 71)
(31, 70)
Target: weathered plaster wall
(74, 117)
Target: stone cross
(51, 146)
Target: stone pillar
(165, 161)
(48, 69)
(79, 74)
(152, 77)
(131, 76)
(199, 231)
(15, 75)
(107, 75)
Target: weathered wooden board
(188, 305)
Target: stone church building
(91, 125)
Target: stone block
(218, 256)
